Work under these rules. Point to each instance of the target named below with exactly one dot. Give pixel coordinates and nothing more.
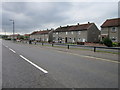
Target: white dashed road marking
(6, 46)
(43, 70)
(12, 50)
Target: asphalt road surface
(30, 66)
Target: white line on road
(12, 50)
(34, 64)
(6, 46)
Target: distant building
(16, 36)
(111, 28)
(44, 35)
(33, 35)
(26, 36)
(77, 33)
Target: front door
(65, 39)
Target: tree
(107, 42)
(26, 37)
(21, 37)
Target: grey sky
(30, 16)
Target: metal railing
(69, 45)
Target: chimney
(67, 25)
(88, 22)
(78, 24)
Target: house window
(47, 39)
(66, 33)
(113, 29)
(73, 40)
(113, 39)
(71, 32)
(83, 40)
(79, 32)
(79, 39)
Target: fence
(69, 45)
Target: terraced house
(16, 36)
(42, 36)
(77, 33)
(111, 29)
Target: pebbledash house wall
(69, 36)
(40, 37)
(92, 34)
(108, 32)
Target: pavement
(65, 68)
(82, 51)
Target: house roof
(40, 32)
(43, 32)
(15, 35)
(79, 27)
(33, 32)
(111, 23)
(26, 34)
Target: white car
(18, 40)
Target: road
(30, 66)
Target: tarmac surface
(25, 66)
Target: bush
(115, 44)
(118, 44)
(8, 39)
(101, 42)
(107, 42)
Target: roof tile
(80, 27)
(111, 23)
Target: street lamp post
(13, 29)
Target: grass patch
(60, 47)
(46, 45)
(108, 52)
(81, 49)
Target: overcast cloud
(30, 16)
